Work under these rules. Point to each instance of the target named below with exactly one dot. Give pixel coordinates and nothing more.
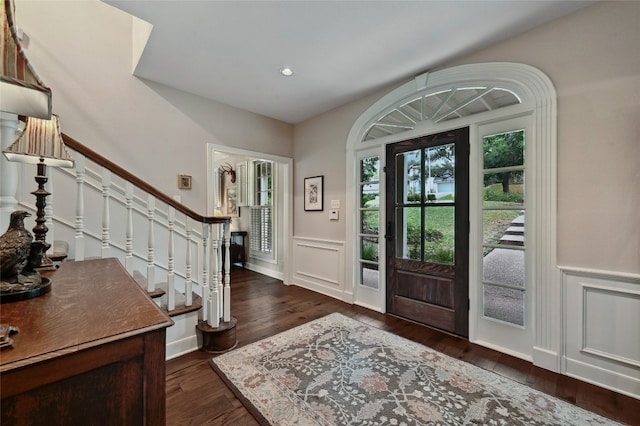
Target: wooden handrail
(114, 168)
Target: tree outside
(503, 150)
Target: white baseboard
(264, 271)
(605, 378)
(182, 347)
(503, 350)
(367, 305)
(546, 359)
(318, 288)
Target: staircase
(514, 235)
(99, 210)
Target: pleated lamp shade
(21, 90)
(40, 143)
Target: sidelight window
(503, 225)
(369, 214)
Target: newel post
(219, 327)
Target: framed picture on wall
(184, 181)
(231, 200)
(314, 193)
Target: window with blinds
(261, 229)
(261, 236)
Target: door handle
(389, 234)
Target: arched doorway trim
(537, 98)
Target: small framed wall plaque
(313, 193)
(184, 181)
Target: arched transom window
(440, 106)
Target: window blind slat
(261, 235)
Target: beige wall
(320, 149)
(592, 58)
(82, 50)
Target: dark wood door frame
(431, 293)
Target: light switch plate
(335, 204)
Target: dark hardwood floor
(264, 306)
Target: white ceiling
(232, 51)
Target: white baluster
(151, 269)
(8, 169)
(79, 226)
(206, 236)
(106, 221)
(171, 285)
(227, 277)
(220, 266)
(214, 294)
(128, 260)
(188, 291)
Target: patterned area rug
(338, 371)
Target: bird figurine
(15, 245)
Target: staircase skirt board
(182, 337)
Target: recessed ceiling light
(286, 71)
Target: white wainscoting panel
(602, 329)
(319, 266)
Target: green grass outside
(439, 229)
(439, 245)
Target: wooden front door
(427, 236)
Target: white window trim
(270, 258)
(284, 199)
(538, 99)
(505, 341)
(369, 297)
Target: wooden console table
(91, 351)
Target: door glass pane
(504, 189)
(370, 182)
(504, 304)
(408, 233)
(504, 266)
(369, 222)
(500, 225)
(439, 169)
(439, 234)
(369, 275)
(370, 197)
(370, 169)
(503, 149)
(369, 249)
(408, 188)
